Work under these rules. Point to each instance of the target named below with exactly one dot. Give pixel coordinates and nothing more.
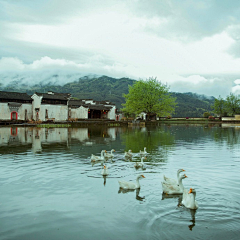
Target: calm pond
(49, 189)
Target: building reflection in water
(36, 137)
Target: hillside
(112, 89)
(192, 104)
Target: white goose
(128, 154)
(105, 170)
(109, 155)
(174, 188)
(172, 180)
(130, 185)
(143, 153)
(95, 158)
(140, 164)
(189, 199)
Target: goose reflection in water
(139, 198)
(191, 211)
(178, 196)
(104, 179)
(129, 159)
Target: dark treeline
(111, 89)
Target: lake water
(49, 189)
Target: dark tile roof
(76, 103)
(14, 96)
(105, 102)
(54, 96)
(97, 106)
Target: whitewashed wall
(36, 104)
(5, 112)
(21, 111)
(36, 101)
(111, 114)
(59, 112)
(80, 112)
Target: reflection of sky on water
(178, 197)
(60, 178)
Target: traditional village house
(89, 109)
(77, 109)
(50, 106)
(15, 106)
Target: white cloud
(136, 39)
(11, 64)
(237, 81)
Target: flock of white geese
(169, 185)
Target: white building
(90, 109)
(15, 106)
(52, 106)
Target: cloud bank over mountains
(193, 46)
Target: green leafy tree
(219, 106)
(232, 104)
(206, 114)
(151, 97)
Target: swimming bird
(105, 170)
(98, 158)
(128, 154)
(140, 164)
(189, 199)
(171, 180)
(174, 189)
(109, 155)
(131, 185)
(143, 153)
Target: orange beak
(143, 176)
(190, 191)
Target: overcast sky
(192, 45)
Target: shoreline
(113, 123)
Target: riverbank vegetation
(150, 97)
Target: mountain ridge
(106, 88)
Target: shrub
(211, 118)
(206, 114)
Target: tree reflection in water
(152, 138)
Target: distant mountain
(192, 104)
(112, 89)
